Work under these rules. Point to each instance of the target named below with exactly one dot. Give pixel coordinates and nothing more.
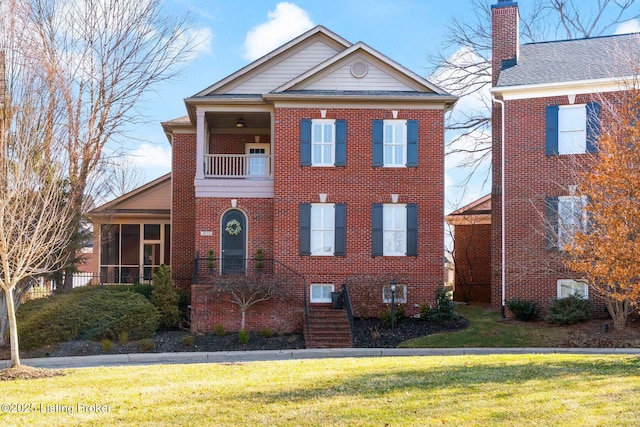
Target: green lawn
(545, 390)
(487, 329)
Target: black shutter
(341, 143)
(340, 230)
(305, 142)
(378, 142)
(377, 242)
(551, 217)
(412, 229)
(593, 126)
(552, 130)
(412, 143)
(304, 234)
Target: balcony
(236, 176)
(237, 166)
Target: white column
(200, 136)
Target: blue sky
(234, 33)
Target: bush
(267, 333)
(165, 298)
(569, 311)
(444, 309)
(219, 331)
(524, 310)
(123, 337)
(107, 345)
(398, 316)
(243, 336)
(188, 340)
(86, 313)
(146, 344)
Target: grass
(558, 390)
(486, 329)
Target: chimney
(504, 37)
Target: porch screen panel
(131, 244)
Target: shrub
(569, 311)
(165, 298)
(524, 310)
(267, 333)
(219, 331)
(188, 340)
(107, 345)
(243, 336)
(123, 337)
(398, 316)
(86, 313)
(146, 344)
(444, 309)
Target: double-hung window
(566, 215)
(394, 229)
(323, 142)
(572, 129)
(322, 229)
(395, 143)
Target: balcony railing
(249, 166)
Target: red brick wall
(472, 263)
(183, 208)
(359, 185)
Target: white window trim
(333, 229)
(400, 296)
(403, 162)
(572, 128)
(323, 143)
(560, 283)
(385, 208)
(320, 285)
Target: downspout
(502, 210)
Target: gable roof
(609, 57)
(476, 212)
(314, 65)
(153, 198)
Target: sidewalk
(266, 355)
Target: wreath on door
(233, 227)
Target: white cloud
(151, 156)
(283, 24)
(631, 26)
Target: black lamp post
(393, 304)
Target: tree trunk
(244, 313)
(618, 312)
(13, 328)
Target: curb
(268, 355)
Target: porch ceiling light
(240, 123)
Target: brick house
(546, 112)
(325, 157)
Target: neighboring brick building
(549, 95)
(472, 251)
(326, 156)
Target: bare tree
(34, 211)
(97, 58)
(467, 73)
(246, 291)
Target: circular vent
(359, 69)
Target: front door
(234, 250)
